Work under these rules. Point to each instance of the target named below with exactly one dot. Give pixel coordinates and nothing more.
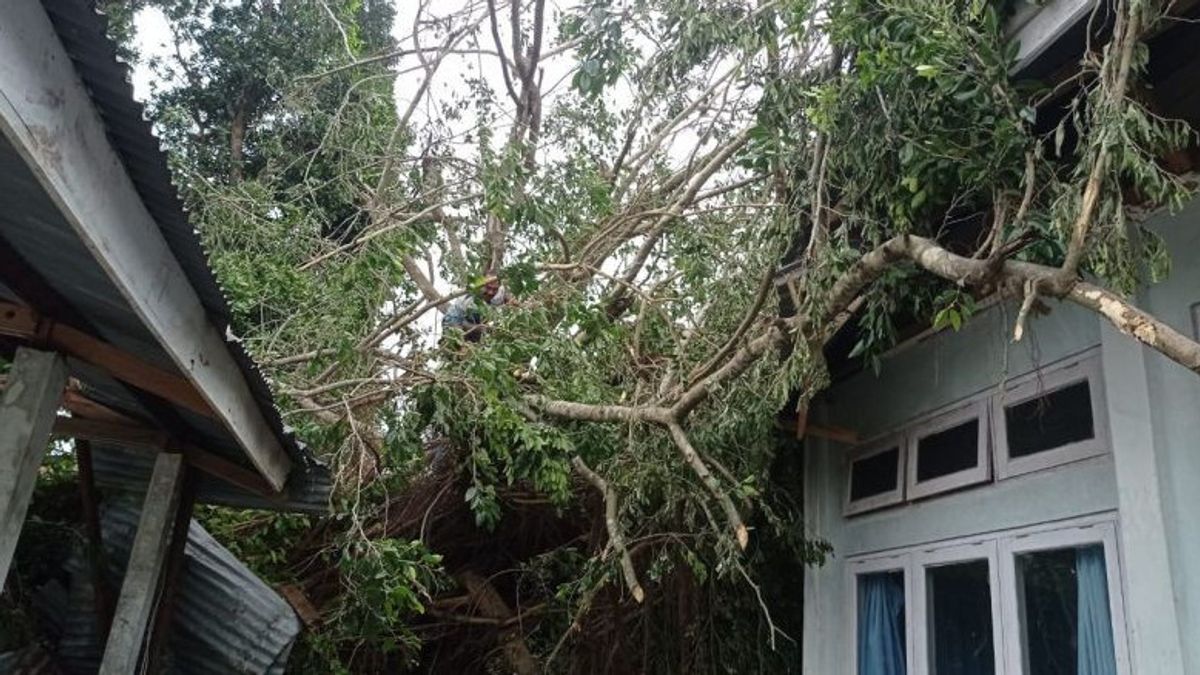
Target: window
(1066, 616)
(1050, 418)
(1044, 419)
(880, 617)
(949, 452)
(882, 632)
(875, 476)
(1040, 601)
(960, 619)
(956, 605)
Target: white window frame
(980, 473)
(1104, 533)
(877, 447)
(923, 560)
(1039, 383)
(1001, 549)
(900, 562)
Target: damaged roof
(45, 264)
(226, 619)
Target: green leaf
(919, 199)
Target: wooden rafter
(92, 421)
(65, 143)
(26, 324)
(140, 437)
(803, 428)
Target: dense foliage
(634, 173)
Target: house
(1020, 508)
(118, 337)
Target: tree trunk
(489, 603)
(237, 140)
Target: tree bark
(237, 140)
(1118, 311)
(612, 522)
(490, 604)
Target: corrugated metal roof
(32, 226)
(32, 660)
(226, 620)
(129, 470)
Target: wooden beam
(139, 591)
(27, 412)
(26, 324)
(48, 115)
(89, 503)
(828, 432)
(139, 437)
(157, 639)
(298, 599)
(79, 405)
(33, 290)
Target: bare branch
(616, 537)
(741, 534)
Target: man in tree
(466, 315)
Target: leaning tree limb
(846, 293)
(612, 523)
(1116, 67)
(927, 254)
(712, 483)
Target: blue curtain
(881, 645)
(1095, 643)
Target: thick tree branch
(588, 412)
(740, 533)
(1122, 314)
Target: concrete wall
(915, 380)
(1152, 475)
(1175, 414)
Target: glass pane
(1050, 421)
(875, 475)
(960, 619)
(948, 451)
(881, 632)
(1066, 624)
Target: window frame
(897, 562)
(866, 451)
(1101, 532)
(1085, 367)
(1001, 549)
(940, 556)
(980, 473)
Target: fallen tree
(635, 182)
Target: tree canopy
(635, 174)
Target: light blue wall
(948, 367)
(915, 380)
(1175, 412)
